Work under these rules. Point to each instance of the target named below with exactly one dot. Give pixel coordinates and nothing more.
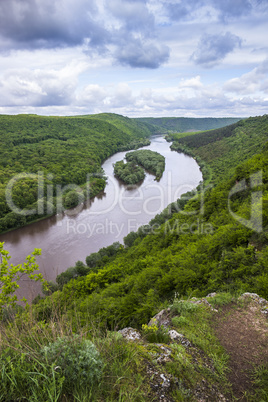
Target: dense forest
(129, 172)
(184, 124)
(132, 171)
(61, 155)
(151, 161)
(211, 240)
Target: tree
(93, 259)
(10, 275)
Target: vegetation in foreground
(62, 360)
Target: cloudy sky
(193, 58)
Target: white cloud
(194, 83)
(24, 87)
(92, 94)
(253, 82)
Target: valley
(193, 258)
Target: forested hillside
(64, 150)
(223, 149)
(184, 124)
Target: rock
(160, 383)
(186, 343)
(161, 319)
(254, 297)
(174, 335)
(212, 295)
(204, 301)
(166, 382)
(164, 355)
(130, 334)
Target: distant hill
(184, 124)
(130, 126)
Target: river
(72, 236)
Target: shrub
(76, 358)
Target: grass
(196, 363)
(220, 299)
(28, 373)
(260, 382)
(194, 322)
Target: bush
(50, 288)
(220, 299)
(76, 358)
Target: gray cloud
(142, 54)
(213, 48)
(182, 10)
(133, 15)
(38, 24)
(177, 11)
(232, 8)
(126, 29)
(134, 39)
(226, 10)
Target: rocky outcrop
(130, 334)
(263, 303)
(204, 300)
(161, 382)
(162, 319)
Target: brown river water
(72, 236)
